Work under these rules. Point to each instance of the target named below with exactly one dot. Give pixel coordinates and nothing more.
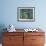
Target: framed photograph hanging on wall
(26, 14)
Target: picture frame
(26, 14)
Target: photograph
(26, 14)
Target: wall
(8, 13)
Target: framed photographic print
(26, 14)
